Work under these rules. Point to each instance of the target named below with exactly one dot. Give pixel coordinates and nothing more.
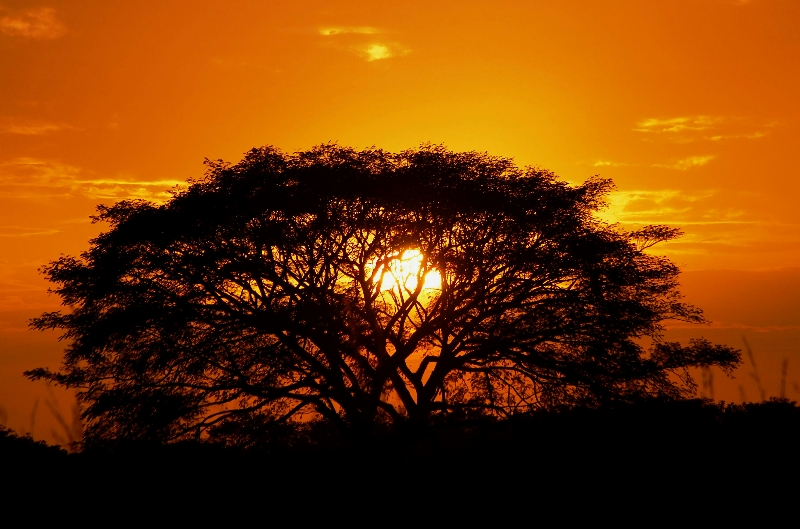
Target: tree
(365, 288)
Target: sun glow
(376, 52)
(405, 271)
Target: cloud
(668, 206)
(688, 163)
(30, 171)
(35, 179)
(685, 129)
(342, 30)
(752, 136)
(716, 224)
(33, 24)
(634, 205)
(678, 124)
(709, 229)
(32, 128)
(376, 51)
(20, 231)
(681, 165)
(352, 38)
(608, 163)
(699, 128)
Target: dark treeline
(647, 449)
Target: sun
(405, 271)
(376, 52)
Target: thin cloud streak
(683, 164)
(608, 163)
(688, 163)
(752, 136)
(343, 30)
(678, 124)
(371, 50)
(670, 206)
(378, 51)
(687, 129)
(31, 178)
(33, 128)
(661, 205)
(20, 231)
(708, 230)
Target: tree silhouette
(365, 288)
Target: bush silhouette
(364, 288)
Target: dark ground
(666, 459)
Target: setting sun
(405, 270)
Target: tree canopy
(363, 288)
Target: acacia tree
(365, 287)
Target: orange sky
(691, 106)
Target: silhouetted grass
(69, 432)
(707, 378)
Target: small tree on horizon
(365, 288)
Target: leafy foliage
(257, 296)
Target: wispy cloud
(753, 136)
(678, 124)
(609, 163)
(342, 30)
(376, 51)
(687, 163)
(361, 41)
(33, 24)
(670, 206)
(31, 178)
(654, 206)
(31, 128)
(22, 231)
(681, 165)
(715, 224)
(685, 129)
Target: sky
(690, 106)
